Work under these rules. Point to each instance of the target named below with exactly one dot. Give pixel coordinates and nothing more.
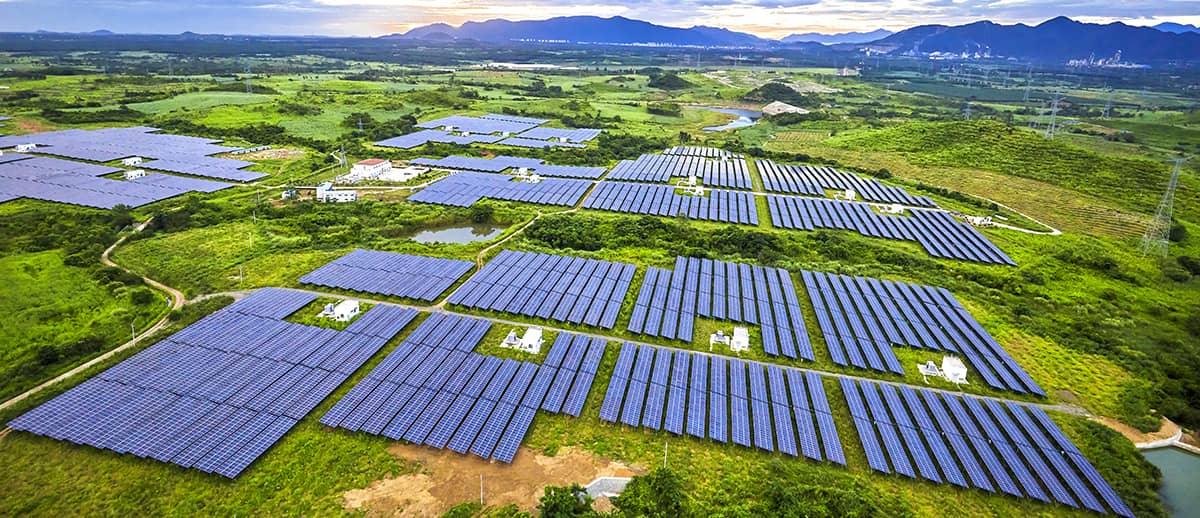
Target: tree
(684, 137)
(565, 502)
(659, 494)
(481, 213)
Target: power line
(1158, 233)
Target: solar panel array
(399, 275)
(725, 172)
(567, 134)
(861, 318)
(470, 163)
(663, 200)
(554, 287)
(537, 144)
(813, 180)
(972, 442)
(938, 232)
(464, 189)
(569, 171)
(176, 153)
(216, 395)
(423, 137)
(706, 396)
(514, 118)
(78, 183)
(433, 390)
(485, 125)
(704, 152)
(669, 302)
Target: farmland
(1101, 328)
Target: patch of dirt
(809, 87)
(1166, 431)
(32, 126)
(445, 479)
(269, 154)
(1067, 395)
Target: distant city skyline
(765, 18)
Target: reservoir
(744, 118)
(1180, 479)
(458, 235)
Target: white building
(530, 342)
(954, 370)
(21, 148)
(343, 311)
(370, 168)
(741, 340)
(326, 194)
(131, 161)
(136, 173)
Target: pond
(458, 235)
(744, 118)
(1180, 478)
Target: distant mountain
(1057, 39)
(1176, 27)
(588, 29)
(833, 39)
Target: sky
(765, 18)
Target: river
(744, 118)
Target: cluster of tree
(364, 126)
(538, 88)
(122, 114)
(665, 108)
(300, 109)
(779, 91)
(262, 134)
(238, 86)
(81, 233)
(790, 119)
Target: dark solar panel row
(669, 302)
(464, 189)
(538, 144)
(663, 200)
(725, 171)
(554, 287)
(432, 389)
(219, 393)
(486, 165)
(566, 135)
(813, 180)
(861, 319)
(387, 273)
(422, 137)
(938, 232)
(972, 442)
(703, 152)
(108, 144)
(706, 396)
(486, 125)
(78, 183)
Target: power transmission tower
(967, 111)
(1108, 104)
(1053, 114)
(1028, 83)
(1158, 233)
(249, 90)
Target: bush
(1191, 264)
(141, 296)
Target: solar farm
(386, 273)
(507, 130)
(66, 179)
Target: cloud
(768, 18)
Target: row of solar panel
(564, 134)
(705, 152)
(420, 138)
(219, 393)
(76, 183)
(662, 200)
(464, 189)
(652, 387)
(537, 144)
(726, 172)
(993, 443)
(861, 318)
(470, 163)
(669, 302)
(939, 233)
(432, 390)
(555, 287)
(387, 273)
(487, 124)
(812, 180)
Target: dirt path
(1168, 432)
(444, 479)
(177, 301)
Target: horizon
(771, 19)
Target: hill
(1057, 39)
(1176, 27)
(834, 39)
(589, 29)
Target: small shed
(954, 370)
(136, 173)
(21, 148)
(343, 311)
(131, 161)
(530, 342)
(741, 340)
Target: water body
(1181, 478)
(744, 118)
(458, 235)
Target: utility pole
(1053, 114)
(967, 111)
(1108, 105)
(1158, 233)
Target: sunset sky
(767, 18)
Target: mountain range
(833, 39)
(587, 29)
(1176, 27)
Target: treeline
(259, 134)
(122, 114)
(81, 233)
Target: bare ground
(266, 154)
(1166, 431)
(445, 479)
